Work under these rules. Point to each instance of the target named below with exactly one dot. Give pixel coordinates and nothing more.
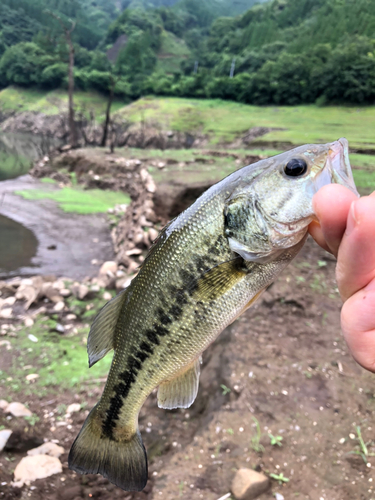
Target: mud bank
(67, 243)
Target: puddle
(18, 245)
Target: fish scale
(206, 268)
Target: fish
(206, 267)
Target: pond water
(18, 245)
(19, 151)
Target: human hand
(347, 229)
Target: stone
(65, 292)
(122, 283)
(28, 322)
(18, 410)
(59, 306)
(80, 291)
(153, 234)
(52, 293)
(28, 293)
(249, 484)
(107, 296)
(36, 467)
(32, 376)
(3, 404)
(109, 267)
(73, 408)
(4, 436)
(9, 301)
(6, 313)
(51, 449)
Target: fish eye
(295, 167)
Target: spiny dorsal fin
(220, 279)
(181, 391)
(101, 334)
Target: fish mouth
(337, 168)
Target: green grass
(172, 52)
(12, 165)
(59, 360)
(226, 120)
(54, 102)
(77, 200)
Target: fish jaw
(337, 169)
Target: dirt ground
(282, 366)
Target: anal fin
(181, 391)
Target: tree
(68, 38)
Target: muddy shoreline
(67, 243)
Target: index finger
(331, 204)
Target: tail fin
(124, 463)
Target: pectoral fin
(102, 331)
(220, 279)
(181, 391)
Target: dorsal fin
(100, 340)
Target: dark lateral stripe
(146, 347)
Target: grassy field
(226, 120)
(54, 102)
(172, 52)
(78, 200)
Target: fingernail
(352, 219)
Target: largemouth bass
(205, 269)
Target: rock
(153, 234)
(4, 436)
(52, 293)
(65, 292)
(71, 317)
(109, 267)
(9, 301)
(3, 404)
(18, 410)
(249, 484)
(6, 313)
(279, 496)
(37, 467)
(32, 376)
(73, 408)
(51, 449)
(28, 322)
(80, 291)
(28, 293)
(107, 296)
(59, 306)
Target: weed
(226, 390)
(230, 431)
(362, 450)
(32, 419)
(275, 440)
(181, 488)
(280, 478)
(322, 263)
(307, 374)
(255, 440)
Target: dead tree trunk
(67, 33)
(108, 112)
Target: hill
(277, 52)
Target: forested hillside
(281, 51)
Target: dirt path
(283, 365)
(67, 243)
